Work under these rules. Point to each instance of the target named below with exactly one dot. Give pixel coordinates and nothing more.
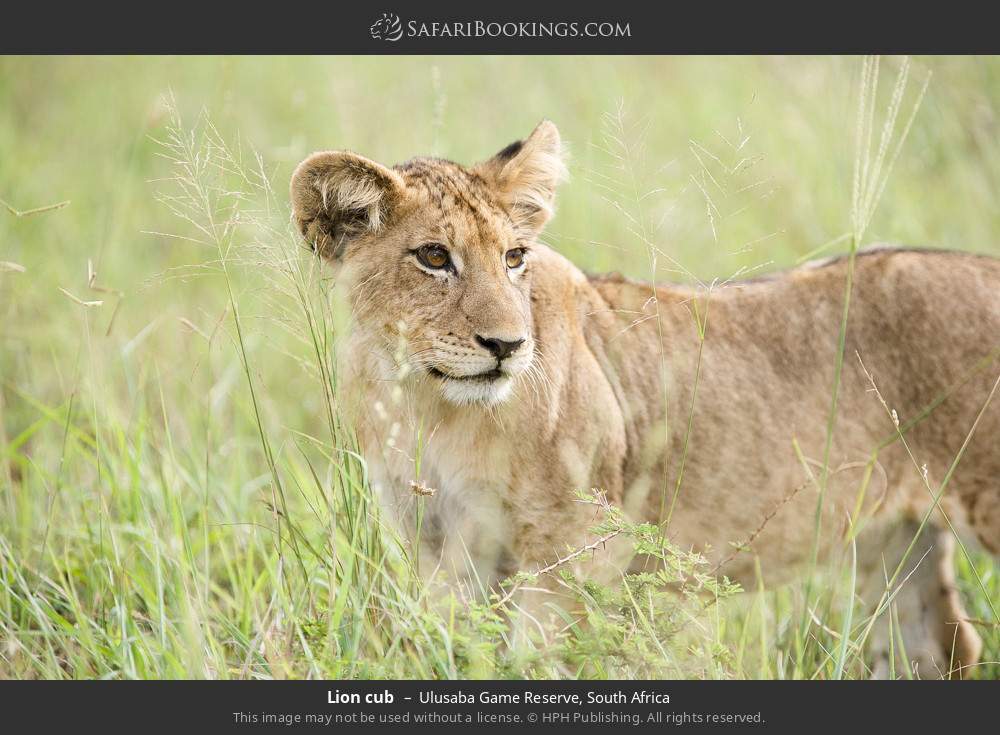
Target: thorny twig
(741, 547)
(593, 546)
(600, 499)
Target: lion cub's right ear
(338, 196)
(525, 175)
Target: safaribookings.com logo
(390, 28)
(387, 28)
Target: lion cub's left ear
(339, 197)
(525, 175)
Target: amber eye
(515, 258)
(434, 256)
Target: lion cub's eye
(515, 258)
(433, 256)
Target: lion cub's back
(939, 343)
(924, 324)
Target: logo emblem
(387, 28)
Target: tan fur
(598, 395)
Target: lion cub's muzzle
(484, 374)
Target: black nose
(499, 348)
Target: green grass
(179, 496)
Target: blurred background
(728, 165)
(769, 141)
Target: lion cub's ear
(526, 174)
(337, 196)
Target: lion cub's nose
(499, 348)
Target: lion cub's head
(438, 256)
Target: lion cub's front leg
(927, 635)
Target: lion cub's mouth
(487, 377)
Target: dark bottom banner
(221, 707)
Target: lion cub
(488, 367)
